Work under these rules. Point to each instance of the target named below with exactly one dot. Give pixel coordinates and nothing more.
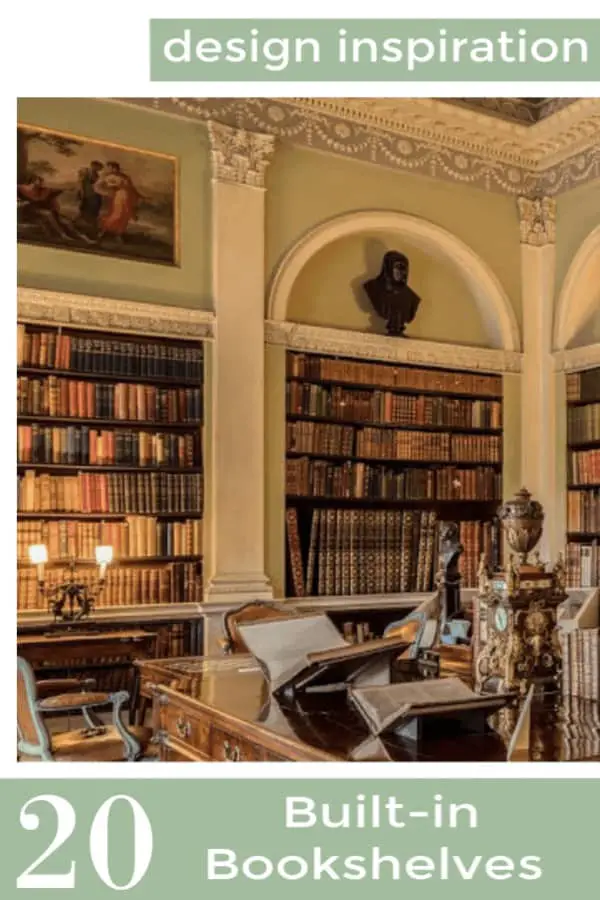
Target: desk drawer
(187, 730)
(230, 747)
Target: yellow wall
(61, 270)
(577, 213)
(307, 187)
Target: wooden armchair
(250, 612)
(95, 742)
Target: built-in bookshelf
(583, 478)
(109, 451)
(379, 455)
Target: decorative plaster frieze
(77, 310)
(422, 136)
(339, 342)
(577, 358)
(537, 220)
(239, 156)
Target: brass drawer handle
(183, 728)
(232, 753)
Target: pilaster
(538, 386)
(239, 163)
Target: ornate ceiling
(514, 146)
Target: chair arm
(74, 701)
(50, 686)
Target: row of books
(581, 664)
(382, 375)
(583, 564)
(82, 445)
(578, 723)
(136, 537)
(583, 511)
(125, 586)
(583, 423)
(107, 356)
(375, 407)
(583, 386)
(67, 397)
(144, 493)
(358, 480)
(388, 444)
(358, 632)
(347, 552)
(584, 466)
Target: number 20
(142, 843)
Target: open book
(307, 652)
(387, 707)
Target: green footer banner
(299, 838)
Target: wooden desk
(73, 652)
(220, 709)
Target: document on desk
(308, 652)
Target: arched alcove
(578, 307)
(492, 302)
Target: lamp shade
(38, 554)
(104, 554)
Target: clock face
(500, 618)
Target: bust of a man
(390, 295)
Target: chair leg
(133, 748)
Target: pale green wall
(63, 270)
(329, 291)
(306, 187)
(577, 213)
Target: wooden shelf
(587, 402)
(121, 561)
(159, 380)
(106, 516)
(404, 463)
(143, 425)
(583, 535)
(583, 487)
(60, 467)
(375, 502)
(584, 445)
(354, 385)
(444, 429)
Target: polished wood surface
(80, 651)
(221, 709)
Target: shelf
(587, 402)
(405, 463)
(583, 487)
(143, 425)
(583, 535)
(60, 467)
(423, 503)
(445, 429)
(161, 380)
(584, 445)
(124, 561)
(105, 516)
(353, 385)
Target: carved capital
(537, 220)
(239, 156)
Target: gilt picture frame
(91, 196)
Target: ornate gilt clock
(518, 610)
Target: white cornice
(339, 342)
(421, 136)
(102, 313)
(577, 358)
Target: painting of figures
(86, 195)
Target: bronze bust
(390, 295)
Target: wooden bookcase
(583, 478)
(378, 456)
(110, 452)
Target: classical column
(538, 388)
(237, 471)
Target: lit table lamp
(71, 600)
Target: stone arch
(493, 303)
(577, 295)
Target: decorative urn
(523, 521)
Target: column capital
(537, 216)
(239, 156)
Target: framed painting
(80, 194)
